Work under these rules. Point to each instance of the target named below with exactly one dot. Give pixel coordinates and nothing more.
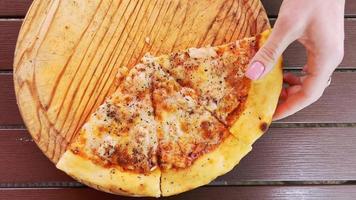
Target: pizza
(175, 122)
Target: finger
(291, 79)
(311, 90)
(283, 95)
(268, 54)
(288, 92)
(293, 90)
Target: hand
(319, 26)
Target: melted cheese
(205, 52)
(186, 129)
(123, 131)
(216, 74)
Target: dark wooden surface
(297, 159)
(9, 30)
(345, 192)
(14, 8)
(8, 101)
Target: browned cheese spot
(264, 126)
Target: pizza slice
(193, 146)
(217, 76)
(116, 150)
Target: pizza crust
(205, 169)
(261, 103)
(119, 182)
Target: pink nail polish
(255, 70)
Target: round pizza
(175, 122)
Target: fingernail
(255, 70)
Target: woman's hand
(319, 26)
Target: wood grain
(68, 52)
(294, 57)
(336, 105)
(283, 154)
(343, 192)
(9, 8)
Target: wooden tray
(68, 52)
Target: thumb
(268, 54)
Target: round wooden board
(68, 52)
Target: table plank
(18, 8)
(9, 30)
(344, 192)
(283, 154)
(299, 154)
(9, 112)
(294, 56)
(14, 8)
(25, 162)
(336, 106)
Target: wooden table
(309, 155)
